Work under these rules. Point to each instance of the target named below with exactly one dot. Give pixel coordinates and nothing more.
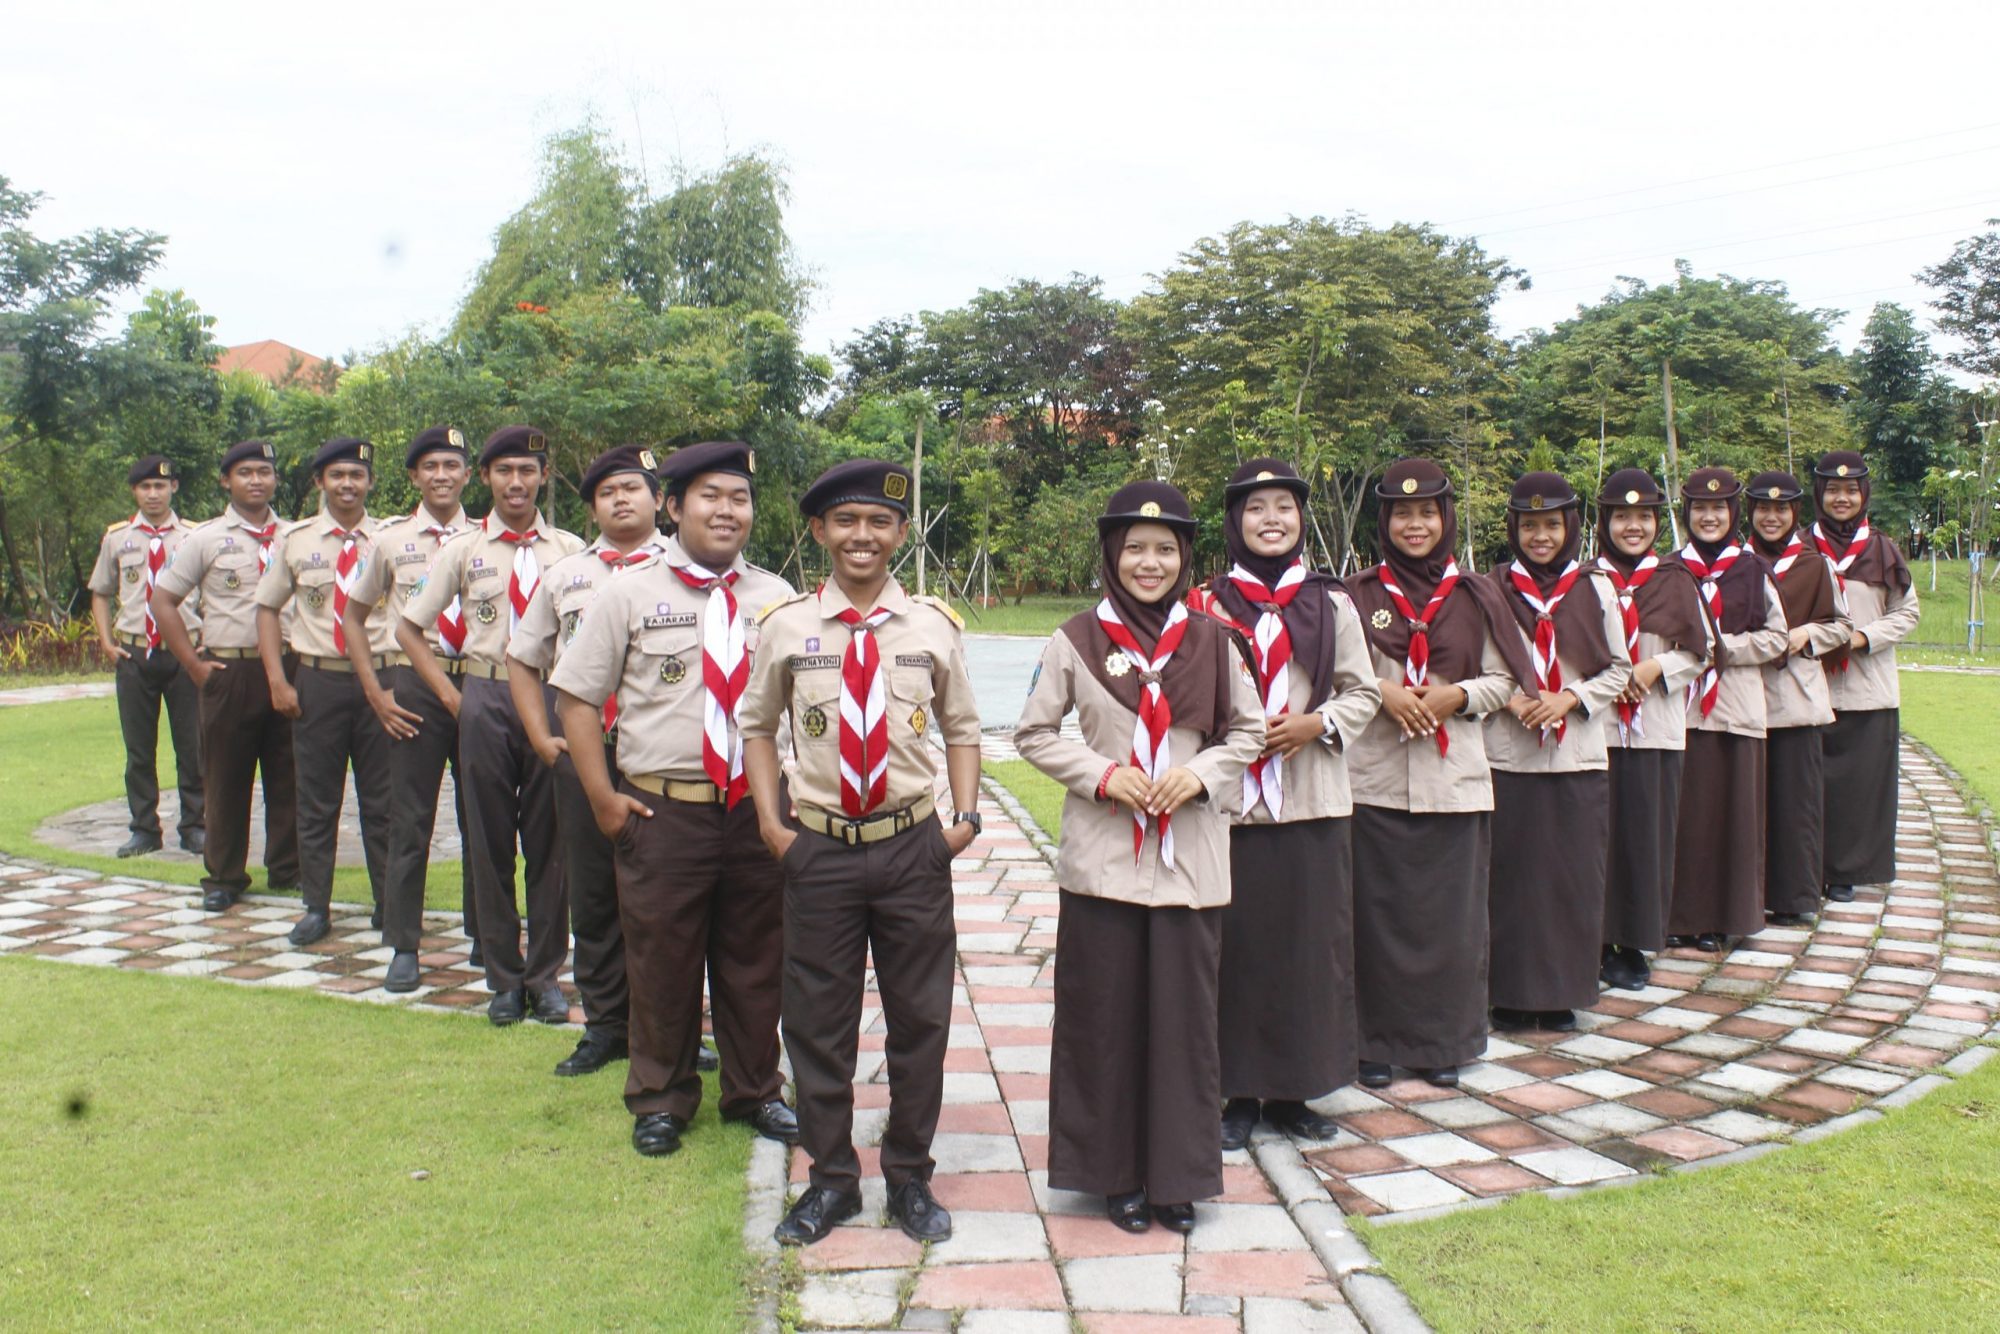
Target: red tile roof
(277, 362)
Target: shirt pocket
(672, 654)
(313, 587)
(816, 711)
(236, 570)
(911, 692)
(131, 571)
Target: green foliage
(1968, 301)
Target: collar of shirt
(833, 600)
(677, 555)
(422, 517)
(653, 542)
(493, 527)
(324, 524)
(232, 515)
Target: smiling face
(861, 538)
(250, 486)
(440, 477)
(1541, 535)
(155, 497)
(1149, 561)
(516, 482)
(713, 517)
(1271, 521)
(627, 510)
(346, 488)
(1416, 527)
(1708, 520)
(1772, 519)
(1841, 499)
(1634, 528)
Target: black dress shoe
(139, 845)
(1624, 968)
(550, 1005)
(1298, 1120)
(403, 972)
(1175, 1217)
(1840, 893)
(772, 1120)
(473, 957)
(1680, 942)
(1512, 1021)
(507, 1007)
(1556, 1021)
(218, 900)
(918, 1213)
(706, 1061)
(195, 841)
(817, 1213)
(1711, 942)
(1239, 1118)
(1791, 919)
(1376, 1074)
(591, 1055)
(657, 1134)
(1444, 1077)
(313, 926)
(1129, 1211)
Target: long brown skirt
(1639, 860)
(1794, 820)
(1860, 749)
(1287, 982)
(1719, 848)
(1420, 936)
(1546, 895)
(1135, 1085)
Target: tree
(1902, 407)
(1968, 301)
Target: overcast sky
(331, 175)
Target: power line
(1800, 254)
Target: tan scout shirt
(568, 589)
(219, 559)
(1739, 701)
(1795, 690)
(642, 642)
(1315, 779)
(1887, 618)
(1400, 775)
(1515, 749)
(406, 547)
(301, 574)
(1095, 857)
(120, 573)
(798, 667)
(475, 567)
(1662, 717)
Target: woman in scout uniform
(1171, 720)
(1551, 779)
(1797, 703)
(1860, 745)
(1445, 653)
(1719, 845)
(1287, 974)
(1667, 637)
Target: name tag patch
(411, 558)
(673, 618)
(479, 571)
(809, 662)
(914, 660)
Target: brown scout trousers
(241, 735)
(143, 682)
(592, 881)
(336, 728)
(416, 769)
(509, 791)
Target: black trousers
(590, 875)
(337, 730)
(416, 769)
(510, 798)
(1794, 819)
(1859, 750)
(143, 682)
(241, 736)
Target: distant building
(280, 363)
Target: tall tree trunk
(917, 504)
(1673, 434)
(17, 587)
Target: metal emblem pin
(1631, 497)
(673, 671)
(231, 581)
(486, 614)
(1381, 619)
(1534, 502)
(1409, 486)
(919, 721)
(814, 721)
(1116, 663)
(1841, 471)
(895, 486)
(1776, 492)
(1266, 475)
(646, 460)
(1714, 485)
(1150, 510)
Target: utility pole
(1673, 436)
(917, 502)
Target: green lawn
(24, 680)
(1941, 628)
(1042, 795)
(1037, 616)
(184, 1154)
(1958, 717)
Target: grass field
(1042, 795)
(1037, 616)
(1959, 718)
(1940, 633)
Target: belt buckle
(850, 833)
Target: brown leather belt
(869, 829)
(337, 664)
(699, 794)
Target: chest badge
(1116, 663)
(131, 574)
(673, 671)
(814, 721)
(812, 643)
(231, 581)
(919, 721)
(315, 599)
(1380, 620)
(486, 614)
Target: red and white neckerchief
(156, 557)
(1842, 560)
(450, 621)
(1708, 686)
(264, 537)
(524, 578)
(343, 581)
(617, 561)
(725, 671)
(1151, 749)
(864, 715)
(1631, 718)
(1271, 645)
(1793, 550)
(1417, 659)
(1548, 670)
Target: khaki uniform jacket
(1096, 851)
(1515, 749)
(797, 667)
(1400, 775)
(1315, 779)
(219, 560)
(1662, 714)
(1887, 618)
(301, 575)
(475, 567)
(1739, 702)
(1795, 690)
(406, 551)
(568, 589)
(120, 574)
(642, 642)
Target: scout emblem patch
(231, 581)
(1380, 620)
(918, 721)
(1151, 509)
(315, 599)
(486, 614)
(814, 722)
(895, 486)
(1631, 497)
(131, 574)
(569, 625)
(673, 671)
(1409, 486)
(1115, 662)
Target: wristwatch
(971, 818)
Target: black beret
(1711, 484)
(1779, 486)
(436, 440)
(1260, 473)
(344, 449)
(248, 451)
(1630, 487)
(515, 441)
(1842, 464)
(1538, 491)
(1147, 502)
(612, 462)
(151, 469)
(691, 461)
(1413, 479)
(859, 481)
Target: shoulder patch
(765, 614)
(940, 605)
(116, 524)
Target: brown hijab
(1742, 585)
(1309, 616)
(1806, 589)
(1580, 618)
(1669, 603)
(1881, 561)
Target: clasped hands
(1421, 710)
(1129, 786)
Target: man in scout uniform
(671, 642)
(423, 734)
(242, 736)
(623, 492)
(867, 672)
(129, 559)
(492, 571)
(314, 571)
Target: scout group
(1316, 829)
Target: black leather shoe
(773, 1120)
(657, 1134)
(313, 926)
(1710, 942)
(1840, 893)
(1623, 968)
(403, 972)
(139, 845)
(1175, 1217)
(1129, 1211)
(1507, 1020)
(1239, 1118)
(474, 958)
(217, 900)
(1791, 919)
(550, 1005)
(507, 1007)
(591, 1055)
(1299, 1121)
(195, 841)
(917, 1212)
(1557, 1021)
(817, 1213)
(1376, 1075)
(706, 1061)
(1680, 942)
(1444, 1077)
